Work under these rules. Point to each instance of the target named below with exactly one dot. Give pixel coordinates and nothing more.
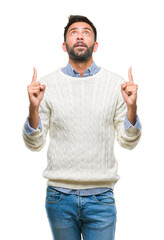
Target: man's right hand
(35, 93)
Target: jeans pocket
(53, 196)
(106, 198)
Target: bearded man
(83, 106)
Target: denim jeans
(70, 215)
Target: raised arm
(35, 93)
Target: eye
(86, 33)
(73, 33)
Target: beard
(81, 55)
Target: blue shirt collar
(69, 70)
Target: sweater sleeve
(127, 138)
(36, 140)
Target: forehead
(80, 25)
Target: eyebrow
(77, 28)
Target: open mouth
(80, 45)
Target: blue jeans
(71, 215)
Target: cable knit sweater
(83, 116)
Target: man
(82, 106)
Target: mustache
(79, 42)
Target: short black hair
(78, 18)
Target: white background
(130, 33)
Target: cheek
(71, 42)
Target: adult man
(82, 106)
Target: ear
(64, 47)
(95, 46)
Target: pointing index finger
(130, 76)
(34, 78)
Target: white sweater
(82, 116)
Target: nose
(80, 36)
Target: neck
(81, 66)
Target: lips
(80, 45)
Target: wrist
(33, 109)
(33, 116)
(132, 114)
(132, 108)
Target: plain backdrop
(130, 33)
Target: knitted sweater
(83, 115)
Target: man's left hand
(129, 93)
(129, 90)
